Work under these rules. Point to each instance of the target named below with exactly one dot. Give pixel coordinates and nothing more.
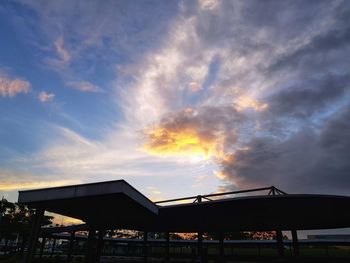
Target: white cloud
(11, 87)
(46, 97)
(208, 4)
(62, 52)
(84, 86)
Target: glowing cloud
(185, 142)
(11, 87)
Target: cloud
(11, 87)
(19, 180)
(84, 86)
(227, 82)
(62, 52)
(306, 161)
(257, 111)
(311, 96)
(208, 4)
(154, 193)
(118, 156)
(190, 132)
(46, 97)
(99, 35)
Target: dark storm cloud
(303, 47)
(309, 95)
(320, 47)
(307, 161)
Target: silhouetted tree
(15, 222)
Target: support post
(71, 246)
(221, 247)
(145, 246)
(90, 246)
(36, 226)
(99, 245)
(295, 243)
(200, 246)
(53, 247)
(280, 247)
(200, 236)
(167, 251)
(43, 241)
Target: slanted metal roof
(113, 201)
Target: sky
(176, 97)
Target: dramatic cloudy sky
(176, 97)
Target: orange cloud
(183, 142)
(11, 87)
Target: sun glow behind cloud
(184, 142)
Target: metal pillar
(280, 247)
(145, 247)
(71, 246)
(200, 236)
(167, 252)
(99, 245)
(200, 246)
(36, 226)
(221, 247)
(53, 247)
(91, 246)
(295, 243)
(43, 241)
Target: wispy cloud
(84, 86)
(62, 52)
(10, 87)
(46, 97)
(11, 180)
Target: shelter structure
(118, 205)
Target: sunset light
(182, 143)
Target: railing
(200, 198)
(315, 251)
